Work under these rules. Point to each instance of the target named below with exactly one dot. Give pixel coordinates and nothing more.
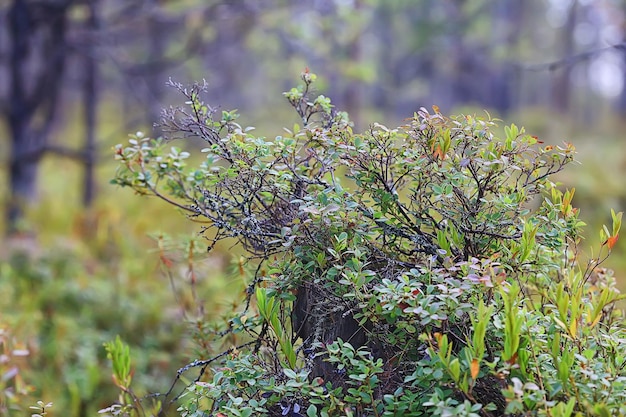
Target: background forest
(82, 261)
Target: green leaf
(290, 373)
(601, 410)
(455, 369)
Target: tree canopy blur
(63, 60)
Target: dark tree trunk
(562, 84)
(91, 108)
(354, 90)
(155, 81)
(384, 32)
(621, 101)
(509, 17)
(22, 178)
(318, 322)
(24, 149)
(37, 62)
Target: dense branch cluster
(392, 246)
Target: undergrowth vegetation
(428, 269)
(61, 304)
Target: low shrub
(428, 269)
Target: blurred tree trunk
(508, 20)
(90, 99)
(451, 88)
(354, 90)
(226, 59)
(561, 87)
(155, 78)
(36, 67)
(621, 101)
(24, 159)
(384, 33)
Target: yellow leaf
(573, 328)
(595, 321)
(474, 368)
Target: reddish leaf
(512, 359)
(610, 242)
(438, 152)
